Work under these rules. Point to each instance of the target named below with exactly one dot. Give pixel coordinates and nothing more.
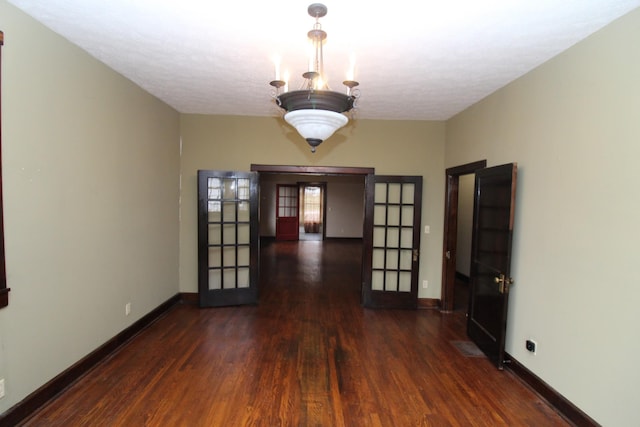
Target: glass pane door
(227, 237)
(395, 209)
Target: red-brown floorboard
(307, 355)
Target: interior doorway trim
(451, 230)
(319, 170)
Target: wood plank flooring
(307, 355)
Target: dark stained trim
(4, 297)
(25, 408)
(467, 168)
(189, 298)
(428, 303)
(323, 170)
(567, 409)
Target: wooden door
(4, 290)
(227, 238)
(393, 209)
(493, 215)
(287, 212)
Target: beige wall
(391, 147)
(573, 126)
(345, 209)
(91, 170)
(91, 186)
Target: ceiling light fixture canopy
(315, 110)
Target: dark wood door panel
(494, 206)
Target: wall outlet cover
(531, 346)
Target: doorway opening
(451, 279)
(463, 242)
(330, 200)
(341, 217)
(388, 208)
(312, 211)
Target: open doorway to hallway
(312, 210)
(331, 206)
(453, 273)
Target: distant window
(312, 204)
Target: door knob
(503, 283)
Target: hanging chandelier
(314, 110)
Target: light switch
(427, 229)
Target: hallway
(307, 355)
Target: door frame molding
(450, 242)
(312, 170)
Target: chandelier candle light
(315, 110)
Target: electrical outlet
(1, 388)
(425, 284)
(531, 346)
(127, 309)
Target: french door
(493, 215)
(393, 208)
(287, 212)
(228, 257)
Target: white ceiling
(418, 60)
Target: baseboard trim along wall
(190, 298)
(25, 408)
(428, 303)
(570, 411)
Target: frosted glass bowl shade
(315, 125)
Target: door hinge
(447, 254)
(415, 255)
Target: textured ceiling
(423, 60)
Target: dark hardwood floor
(307, 355)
